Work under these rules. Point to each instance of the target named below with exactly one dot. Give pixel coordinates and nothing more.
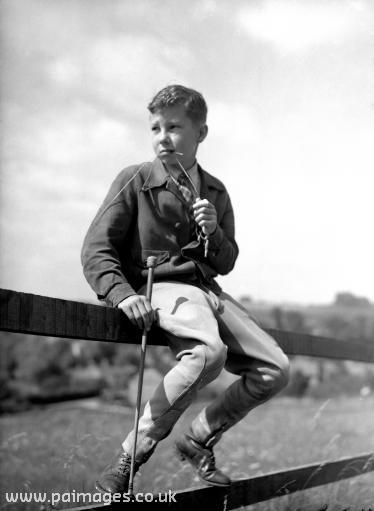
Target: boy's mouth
(166, 151)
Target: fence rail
(245, 492)
(39, 315)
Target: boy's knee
(215, 362)
(279, 374)
(203, 363)
(282, 376)
(216, 355)
(268, 381)
(204, 359)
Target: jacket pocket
(161, 256)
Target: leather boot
(116, 475)
(201, 457)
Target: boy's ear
(203, 131)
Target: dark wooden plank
(12, 305)
(61, 319)
(262, 488)
(283, 483)
(54, 317)
(39, 315)
(315, 346)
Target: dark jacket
(144, 214)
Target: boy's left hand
(205, 215)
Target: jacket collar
(157, 176)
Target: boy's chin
(169, 158)
(172, 160)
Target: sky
(290, 92)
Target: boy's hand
(139, 311)
(205, 215)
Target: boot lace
(207, 460)
(210, 458)
(124, 464)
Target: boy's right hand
(139, 311)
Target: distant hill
(347, 318)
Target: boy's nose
(164, 136)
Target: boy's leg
(252, 354)
(186, 313)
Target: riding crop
(151, 263)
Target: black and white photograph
(186, 264)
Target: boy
(173, 209)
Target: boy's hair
(193, 102)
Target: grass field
(63, 448)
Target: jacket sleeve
(100, 255)
(223, 250)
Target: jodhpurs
(207, 333)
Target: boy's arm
(223, 249)
(105, 239)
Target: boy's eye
(154, 128)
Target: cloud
(55, 148)
(121, 70)
(294, 26)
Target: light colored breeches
(207, 333)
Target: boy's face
(174, 132)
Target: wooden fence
(52, 317)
